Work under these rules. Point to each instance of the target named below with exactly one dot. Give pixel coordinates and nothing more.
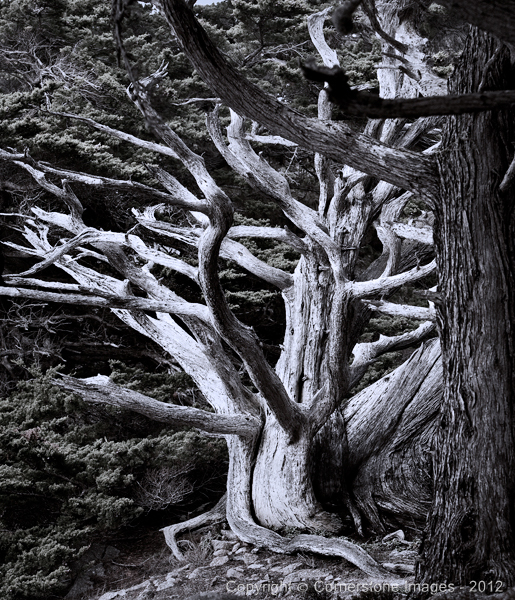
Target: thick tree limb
(390, 426)
(419, 234)
(403, 168)
(362, 289)
(241, 338)
(402, 310)
(362, 104)
(102, 390)
(183, 309)
(365, 354)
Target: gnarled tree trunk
(471, 531)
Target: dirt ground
(218, 566)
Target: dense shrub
(73, 473)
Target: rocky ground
(218, 564)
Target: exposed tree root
(236, 508)
(265, 538)
(215, 515)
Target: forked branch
(406, 169)
(102, 390)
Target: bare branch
(38, 169)
(216, 515)
(419, 234)
(403, 168)
(402, 310)
(93, 236)
(121, 135)
(15, 281)
(102, 390)
(316, 32)
(242, 158)
(362, 289)
(270, 139)
(362, 104)
(185, 309)
(230, 250)
(365, 354)
(392, 245)
(241, 338)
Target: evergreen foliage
(73, 473)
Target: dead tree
(270, 429)
(471, 186)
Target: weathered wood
(404, 168)
(471, 529)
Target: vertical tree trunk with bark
(471, 528)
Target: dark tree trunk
(470, 532)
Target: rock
(198, 572)
(176, 572)
(221, 552)
(110, 553)
(86, 581)
(221, 545)
(396, 535)
(304, 574)
(111, 595)
(256, 566)
(123, 593)
(219, 561)
(288, 569)
(235, 547)
(247, 558)
(167, 583)
(234, 573)
(229, 535)
(240, 551)
(399, 568)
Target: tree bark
(282, 489)
(470, 533)
(390, 425)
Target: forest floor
(217, 564)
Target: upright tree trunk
(470, 534)
(282, 490)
